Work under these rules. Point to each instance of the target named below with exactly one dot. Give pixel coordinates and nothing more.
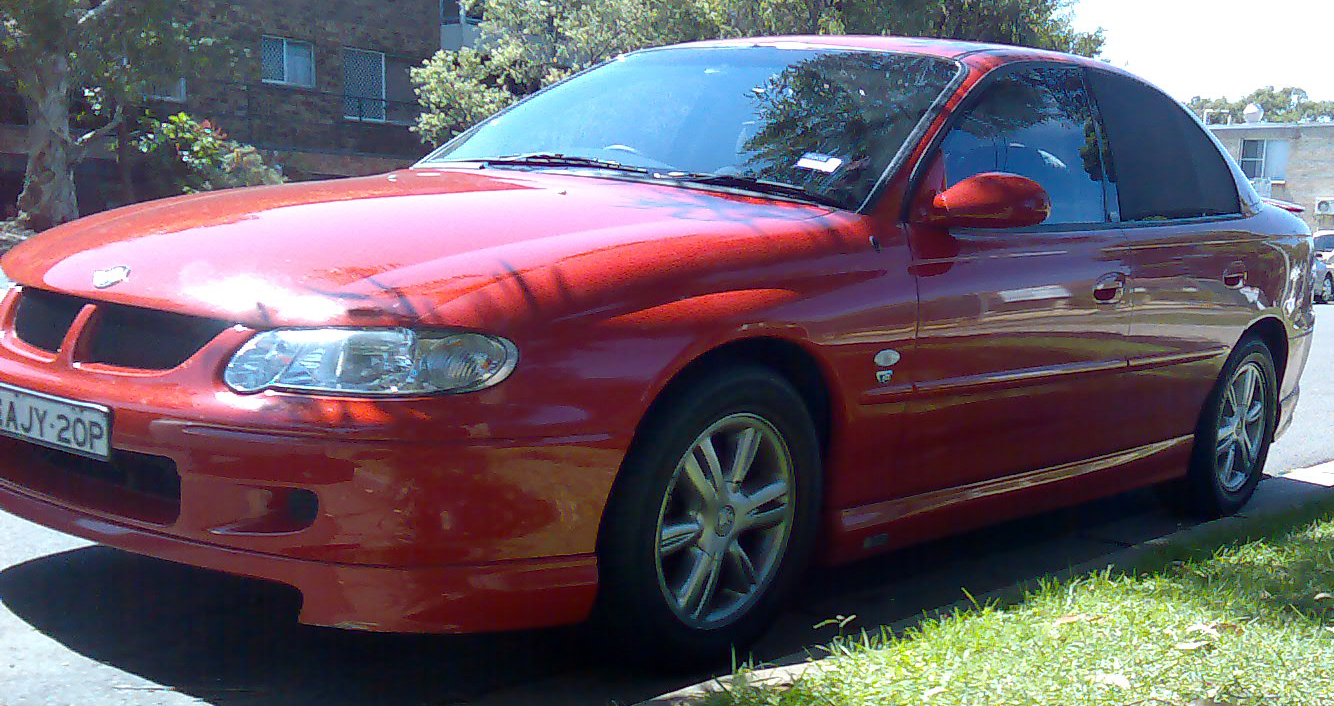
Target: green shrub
(182, 156)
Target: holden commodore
(648, 343)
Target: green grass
(1240, 625)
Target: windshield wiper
(726, 181)
(746, 183)
(553, 159)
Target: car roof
(969, 52)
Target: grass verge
(1192, 625)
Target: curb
(1320, 478)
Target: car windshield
(828, 122)
(1324, 243)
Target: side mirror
(990, 200)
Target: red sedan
(646, 344)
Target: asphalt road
(81, 624)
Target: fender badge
(110, 276)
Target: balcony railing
(380, 110)
(281, 118)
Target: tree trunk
(48, 197)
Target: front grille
(124, 336)
(131, 337)
(136, 472)
(133, 485)
(43, 318)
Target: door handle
(1234, 277)
(1110, 288)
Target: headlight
(395, 361)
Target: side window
(1036, 123)
(1164, 164)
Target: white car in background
(1321, 276)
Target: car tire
(1326, 294)
(1231, 443)
(711, 519)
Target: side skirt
(868, 529)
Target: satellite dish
(1253, 113)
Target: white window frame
(286, 71)
(1271, 164)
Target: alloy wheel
(725, 520)
(1242, 422)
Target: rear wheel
(1233, 436)
(712, 518)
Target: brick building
(1292, 162)
(321, 85)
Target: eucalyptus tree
(97, 54)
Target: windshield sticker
(819, 162)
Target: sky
(1218, 48)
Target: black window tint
(1036, 123)
(1164, 164)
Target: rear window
(1163, 163)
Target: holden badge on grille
(111, 275)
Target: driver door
(1021, 347)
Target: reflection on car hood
(392, 247)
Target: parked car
(647, 343)
(1322, 281)
(1324, 244)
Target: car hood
(399, 247)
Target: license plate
(79, 427)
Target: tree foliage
(528, 44)
(1284, 105)
(109, 53)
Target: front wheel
(1326, 293)
(712, 518)
(1233, 436)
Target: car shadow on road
(234, 641)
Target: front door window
(1036, 123)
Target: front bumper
(463, 548)
(393, 515)
(503, 595)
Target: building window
(288, 61)
(1253, 158)
(1264, 159)
(173, 91)
(377, 87)
(452, 13)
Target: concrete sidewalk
(1274, 497)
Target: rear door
(1199, 274)
(1022, 342)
